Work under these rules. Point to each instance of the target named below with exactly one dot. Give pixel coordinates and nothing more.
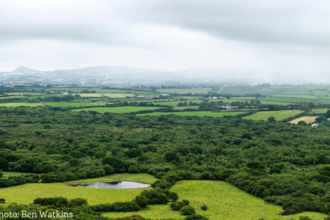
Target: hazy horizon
(272, 40)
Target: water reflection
(118, 185)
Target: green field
(243, 98)
(25, 194)
(23, 93)
(20, 104)
(184, 91)
(6, 174)
(321, 111)
(126, 109)
(296, 96)
(94, 95)
(67, 89)
(278, 115)
(194, 113)
(100, 90)
(73, 104)
(320, 93)
(224, 201)
(185, 107)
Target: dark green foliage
(117, 207)
(187, 210)
(2, 201)
(195, 217)
(173, 196)
(142, 201)
(185, 201)
(176, 206)
(77, 202)
(204, 207)
(55, 201)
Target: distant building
(220, 97)
(315, 124)
(215, 97)
(165, 95)
(64, 93)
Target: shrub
(117, 207)
(304, 218)
(185, 201)
(2, 201)
(176, 206)
(204, 207)
(195, 217)
(142, 201)
(77, 202)
(187, 210)
(135, 217)
(173, 196)
(56, 201)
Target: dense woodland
(285, 164)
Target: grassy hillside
(184, 91)
(194, 113)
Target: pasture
(321, 111)
(185, 107)
(185, 91)
(296, 96)
(94, 196)
(307, 119)
(73, 104)
(117, 95)
(13, 97)
(194, 113)
(224, 201)
(67, 89)
(20, 104)
(23, 93)
(320, 93)
(94, 95)
(278, 115)
(127, 109)
(104, 90)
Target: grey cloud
(274, 21)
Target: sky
(277, 38)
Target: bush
(56, 201)
(195, 217)
(77, 202)
(142, 201)
(187, 210)
(2, 201)
(204, 207)
(117, 207)
(304, 218)
(135, 217)
(173, 196)
(185, 201)
(176, 206)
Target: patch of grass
(307, 119)
(184, 91)
(126, 109)
(6, 174)
(243, 98)
(318, 111)
(89, 94)
(44, 96)
(224, 201)
(23, 93)
(117, 95)
(185, 107)
(25, 194)
(101, 90)
(278, 115)
(320, 93)
(67, 89)
(296, 96)
(20, 104)
(73, 104)
(315, 87)
(194, 113)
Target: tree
(170, 156)
(302, 123)
(327, 114)
(3, 163)
(320, 119)
(142, 201)
(271, 119)
(187, 210)
(113, 161)
(44, 167)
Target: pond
(116, 185)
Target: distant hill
(22, 69)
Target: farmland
(194, 113)
(127, 109)
(116, 95)
(307, 119)
(185, 91)
(104, 90)
(278, 115)
(23, 93)
(73, 104)
(96, 95)
(295, 96)
(20, 104)
(67, 89)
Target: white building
(315, 124)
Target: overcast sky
(273, 36)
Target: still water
(118, 185)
